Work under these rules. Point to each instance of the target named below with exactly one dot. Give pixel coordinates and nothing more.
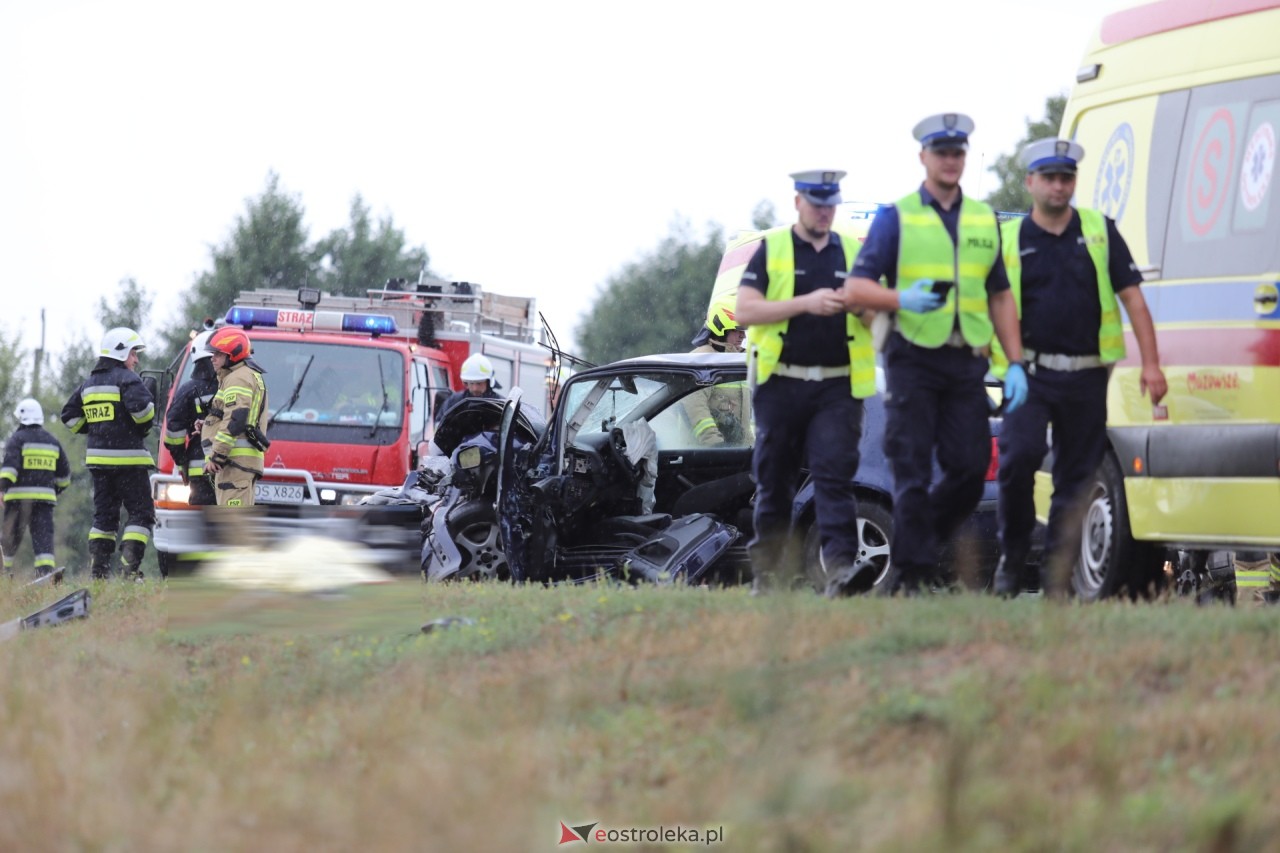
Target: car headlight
(469, 457)
(173, 492)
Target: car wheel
(474, 529)
(875, 534)
(1111, 561)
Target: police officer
(34, 472)
(936, 357)
(1068, 269)
(116, 410)
(234, 432)
(812, 365)
(720, 415)
(477, 381)
(187, 410)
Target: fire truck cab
(352, 385)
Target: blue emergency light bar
(335, 321)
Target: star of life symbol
(1258, 163)
(1115, 174)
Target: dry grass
(190, 718)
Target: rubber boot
(131, 551)
(100, 551)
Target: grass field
(190, 717)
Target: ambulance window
(1221, 213)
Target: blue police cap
(819, 186)
(944, 130)
(1051, 156)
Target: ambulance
(353, 384)
(1177, 105)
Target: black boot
(100, 551)
(131, 551)
(1008, 579)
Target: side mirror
(149, 382)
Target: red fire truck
(352, 386)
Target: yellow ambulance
(1177, 105)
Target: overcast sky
(534, 148)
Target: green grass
(199, 718)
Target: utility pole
(35, 374)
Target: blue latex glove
(1015, 388)
(919, 298)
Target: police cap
(944, 130)
(1051, 156)
(819, 186)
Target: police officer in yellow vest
(812, 365)
(1068, 269)
(938, 253)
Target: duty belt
(810, 372)
(1057, 361)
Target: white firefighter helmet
(200, 346)
(29, 412)
(477, 368)
(117, 343)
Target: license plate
(277, 493)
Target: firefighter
(35, 471)
(813, 365)
(116, 410)
(181, 429)
(720, 415)
(1069, 270)
(233, 435)
(477, 381)
(936, 357)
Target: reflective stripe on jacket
(115, 412)
(35, 466)
(241, 388)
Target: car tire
(875, 534)
(474, 529)
(1111, 562)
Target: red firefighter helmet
(232, 342)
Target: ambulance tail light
(993, 467)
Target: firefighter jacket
(235, 429)
(721, 414)
(114, 410)
(35, 466)
(190, 404)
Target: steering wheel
(618, 450)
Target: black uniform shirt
(809, 339)
(1060, 309)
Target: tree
(361, 256)
(764, 216)
(1012, 193)
(669, 288)
(13, 376)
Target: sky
(534, 148)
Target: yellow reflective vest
(765, 340)
(926, 250)
(1094, 229)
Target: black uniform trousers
(128, 486)
(37, 516)
(936, 403)
(792, 417)
(1075, 403)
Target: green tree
(267, 248)
(669, 287)
(764, 216)
(1012, 193)
(13, 376)
(364, 255)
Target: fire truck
(353, 385)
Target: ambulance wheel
(1111, 562)
(474, 528)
